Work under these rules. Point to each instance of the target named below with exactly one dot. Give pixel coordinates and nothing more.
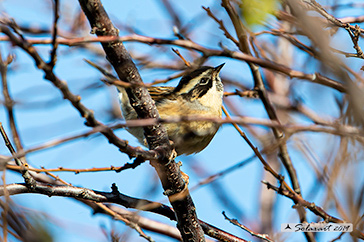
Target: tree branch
(207, 52)
(112, 197)
(297, 199)
(156, 135)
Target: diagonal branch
(236, 222)
(262, 92)
(221, 25)
(156, 135)
(115, 197)
(76, 100)
(333, 128)
(29, 180)
(259, 86)
(297, 199)
(207, 52)
(9, 102)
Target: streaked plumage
(198, 93)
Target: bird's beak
(218, 68)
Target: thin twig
(98, 207)
(182, 58)
(111, 79)
(297, 199)
(29, 180)
(354, 31)
(260, 87)
(285, 158)
(76, 171)
(221, 25)
(247, 93)
(9, 103)
(318, 8)
(222, 173)
(75, 99)
(314, 77)
(53, 57)
(251, 232)
(131, 224)
(355, 35)
(327, 127)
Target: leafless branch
(260, 236)
(29, 180)
(157, 138)
(74, 99)
(188, 44)
(260, 87)
(297, 199)
(280, 56)
(221, 26)
(111, 197)
(52, 61)
(290, 129)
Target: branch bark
(157, 138)
(87, 195)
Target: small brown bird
(198, 93)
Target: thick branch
(113, 197)
(96, 196)
(156, 135)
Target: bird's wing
(159, 93)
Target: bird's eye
(204, 81)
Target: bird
(198, 93)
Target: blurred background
(324, 136)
